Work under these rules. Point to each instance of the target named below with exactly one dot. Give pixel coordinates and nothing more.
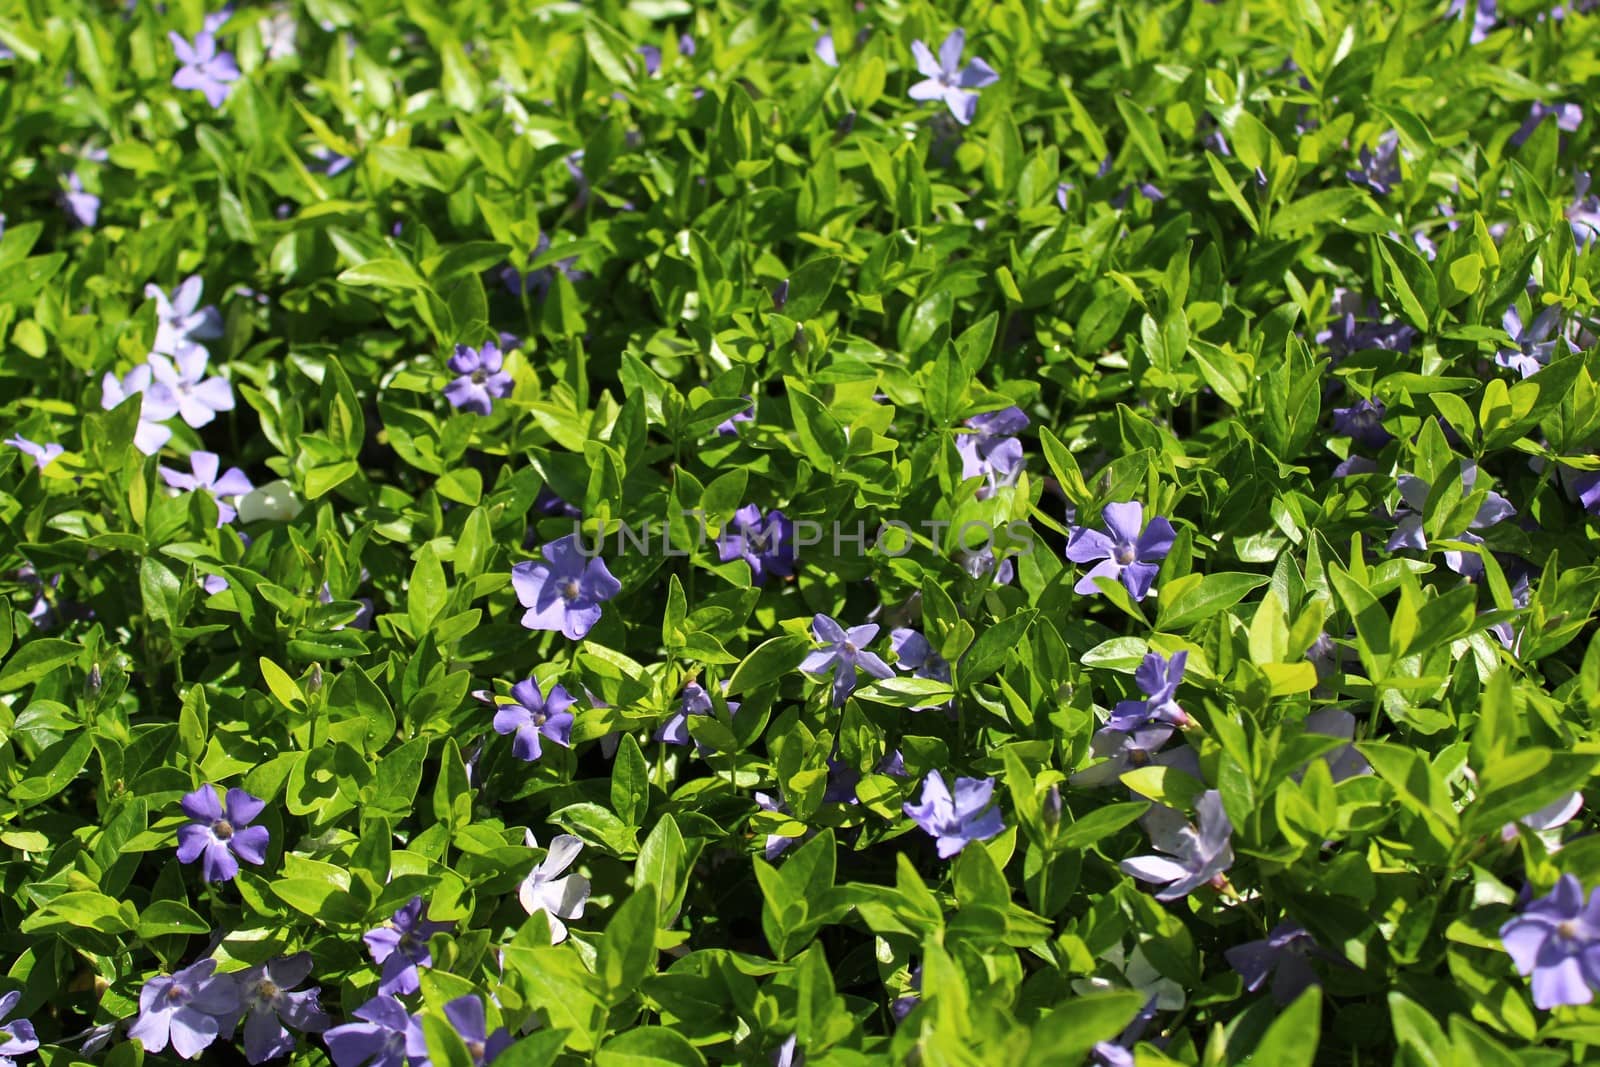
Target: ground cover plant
(662, 533)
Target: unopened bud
(314, 683)
(94, 682)
(780, 295)
(1050, 810)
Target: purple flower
(1408, 533)
(548, 503)
(43, 455)
(1348, 334)
(1584, 212)
(652, 58)
(1194, 855)
(16, 1036)
(956, 820)
(401, 945)
(1552, 816)
(217, 836)
(181, 323)
(729, 427)
(205, 466)
(204, 68)
(481, 380)
(1556, 940)
(914, 653)
(82, 206)
(945, 79)
(1379, 171)
(1122, 751)
(825, 51)
(364, 612)
(694, 701)
(270, 1007)
(1509, 636)
(1281, 956)
(992, 450)
(379, 1040)
(765, 542)
(1117, 1053)
(565, 590)
(1345, 761)
(842, 652)
(1362, 422)
(186, 1009)
(1484, 16)
(1533, 345)
(1568, 118)
(788, 1053)
(198, 398)
(466, 1017)
(1158, 679)
(1131, 554)
(537, 283)
(775, 843)
(686, 45)
(532, 714)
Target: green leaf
(1213, 593)
(648, 1046)
(34, 660)
(767, 662)
(426, 592)
(1291, 1040)
(627, 949)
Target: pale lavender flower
(181, 323)
(270, 1007)
(1282, 956)
(825, 51)
(1584, 212)
(1568, 118)
(43, 455)
(914, 653)
(1552, 816)
(231, 483)
(1121, 751)
(956, 819)
(565, 590)
(199, 399)
(331, 163)
(1511, 637)
(775, 843)
(219, 834)
(537, 283)
(1187, 855)
(16, 1036)
(82, 206)
(945, 79)
(401, 946)
(531, 715)
(1348, 334)
(1131, 554)
(694, 701)
(550, 889)
(842, 652)
(1484, 16)
(1346, 761)
(1362, 422)
(1533, 345)
(1119, 1053)
(466, 1017)
(378, 1040)
(979, 563)
(186, 1009)
(481, 380)
(1556, 941)
(1409, 533)
(203, 67)
(1379, 171)
(729, 427)
(992, 449)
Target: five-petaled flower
(401, 946)
(766, 542)
(1194, 854)
(548, 888)
(1379, 171)
(1131, 554)
(205, 465)
(1282, 956)
(531, 715)
(694, 701)
(219, 833)
(270, 1006)
(16, 1035)
(992, 449)
(378, 1039)
(1158, 679)
(186, 1009)
(956, 819)
(181, 323)
(198, 398)
(1533, 345)
(204, 68)
(157, 404)
(466, 1017)
(945, 79)
(481, 380)
(565, 590)
(1409, 533)
(43, 455)
(1556, 940)
(842, 652)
